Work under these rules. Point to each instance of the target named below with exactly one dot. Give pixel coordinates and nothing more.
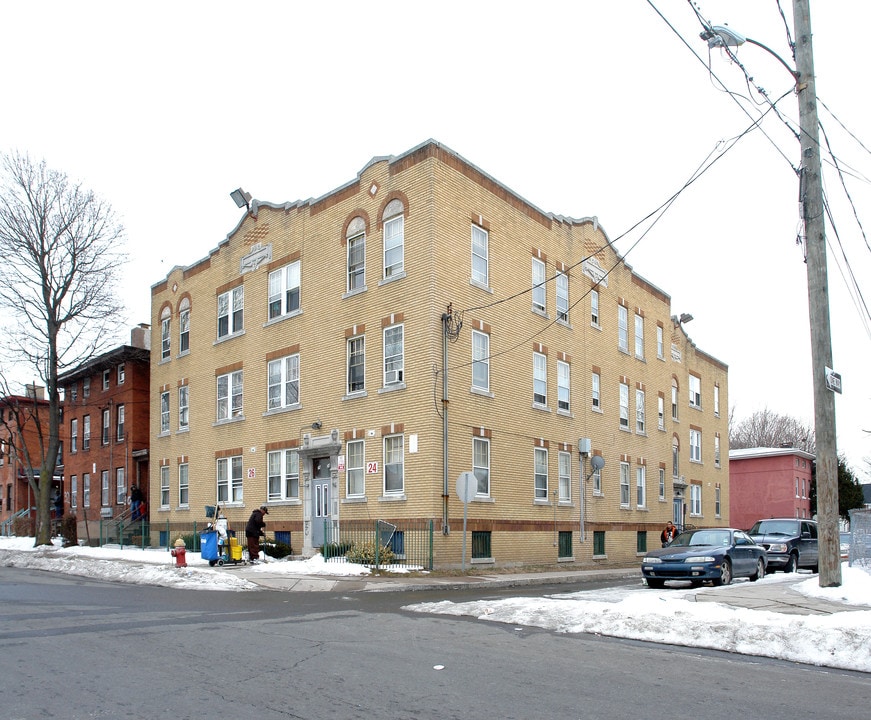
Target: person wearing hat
(254, 530)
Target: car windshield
(702, 537)
(775, 527)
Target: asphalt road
(73, 648)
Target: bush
(336, 549)
(276, 549)
(364, 554)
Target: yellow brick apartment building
(350, 357)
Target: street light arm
(783, 62)
(724, 36)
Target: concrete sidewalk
(780, 597)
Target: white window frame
(184, 327)
(695, 500)
(565, 476)
(563, 386)
(86, 490)
(355, 468)
(639, 336)
(120, 419)
(622, 329)
(74, 493)
(594, 308)
(231, 309)
(164, 412)
(480, 360)
(662, 483)
(86, 432)
(539, 379)
(394, 243)
(164, 486)
(674, 400)
(480, 256)
(184, 496)
(104, 488)
(695, 387)
(660, 412)
(596, 391)
(106, 376)
(282, 475)
(624, 485)
(165, 337)
(229, 395)
(717, 450)
(106, 420)
(394, 355)
(717, 501)
(356, 350)
(394, 464)
(120, 486)
(539, 286)
(660, 343)
(641, 486)
(184, 399)
(695, 445)
(640, 413)
(122, 373)
(229, 480)
(74, 435)
(597, 481)
(282, 382)
(356, 259)
(481, 465)
(624, 406)
(540, 474)
(562, 297)
(284, 291)
(716, 400)
(86, 387)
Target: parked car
(791, 543)
(845, 545)
(713, 555)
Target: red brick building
(769, 482)
(20, 455)
(105, 411)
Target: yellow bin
(235, 550)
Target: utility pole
(818, 300)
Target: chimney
(140, 337)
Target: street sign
(833, 380)
(467, 486)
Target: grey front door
(320, 498)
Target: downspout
(445, 494)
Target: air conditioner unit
(392, 376)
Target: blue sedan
(713, 555)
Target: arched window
(356, 241)
(394, 238)
(184, 325)
(165, 327)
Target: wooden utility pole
(818, 300)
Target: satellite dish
(598, 462)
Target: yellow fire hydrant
(179, 552)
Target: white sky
(583, 108)
(670, 616)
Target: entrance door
(320, 498)
(677, 513)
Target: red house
(106, 426)
(769, 482)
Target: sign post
(467, 486)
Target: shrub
(364, 554)
(336, 549)
(276, 549)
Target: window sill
(481, 286)
(624, 429)
(393, 278)
(162, 433)
(565, 413)
(482, 392)
(391, 388)
(182, 354)
(483, 561)
(597, 410)
(281, 318)
(355, 395)
(541, 311)
(399, 497)
(356, 291)
(356, 499)
(229, 421)
(541, 503)
(230, 336)
(570, 558)
(282, 410)
(483, 499)
(539, 406)
(564, 322)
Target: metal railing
(406, 544)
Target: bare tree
(62, 250)
(766, 428)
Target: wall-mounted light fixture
(241, 198)
(317, 425)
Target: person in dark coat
(669, 534)
(135, 502)
(254, 530)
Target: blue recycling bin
(209, 546)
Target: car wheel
(725, 574)
(760, 571)
(791, 564)
(655, 583)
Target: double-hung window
(662, 483)
(283, 382)
(624, 484)
(394, 239)
(622, 329)
(624, 406)
(283, 475)
(184, 402)
(164, 486)
(480, 360)
(660, 343)
(539, 379)
(540, 471)
(284, 290)
(231, 308)
(86, 432)
(481, 464)
(480, 256)
(595, 391)
(695, 391)
(394, 465)
(120, 487)
(164, 412)
(394, 355)
(355, 468)
(184, 326)
(640, 424)
(564, 386)
(230, 479)
(639, 336)
(74, 435)
(565, 477)
(539, 286)
(120, 415)
(122, 373)
(229, 395)
(562, 297)
(356, 241)
(356, 364)
(695, 445)
(660, 411)
(183, 485)
(594, 308)
(641, 486)
(165, 329)
(104, 488)
(695, 499)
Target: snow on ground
(671, 616)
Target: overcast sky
(584, 108)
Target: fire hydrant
(179, 552)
